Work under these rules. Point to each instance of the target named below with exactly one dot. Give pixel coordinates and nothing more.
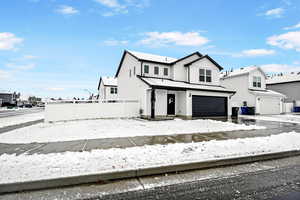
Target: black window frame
(113, 90)
(156, 69)
(166, 71)
(208, 78)
(202, 75)
(146, 69)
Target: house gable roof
(209, 58)
(242, 71)
(108, 81)
(146, 57)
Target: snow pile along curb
(49, 166)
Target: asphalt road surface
(11, 113)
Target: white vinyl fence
(75, 110)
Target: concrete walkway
(87, 145)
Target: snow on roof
(178, 84)
(152, 57)
(110, 81)
(283, 78)
(5, 91)
(237, 72)
(267, 93)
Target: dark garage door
(207, 106)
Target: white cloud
(278, 68)
(115, 7)
(292, 27)
(289, 40)
(16, 66)
(8, 41)
(276, 12)
(174, 38)
(255, 53)
(67, 10)
(4, 74)
(115, 42)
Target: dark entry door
(208, 106)
(171, 104)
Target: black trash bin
(234, 111)
(251, 110)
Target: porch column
(152, 103)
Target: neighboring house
(108, 88)
(250, 86)
(287, 84)
(165, 86)
(8, 98)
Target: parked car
(28, 105)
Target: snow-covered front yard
(19, 119)
(289, 118)
(112, 128)
(44, 166)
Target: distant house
(287, 84)
(250, 86)
(167, 87)
(108, 88)
(8, 98)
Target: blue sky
(60, 48)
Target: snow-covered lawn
(44, 166)
(289, 118)
(112, 128)
(14, 120)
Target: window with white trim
(205, 75)
(146, 69)
(257, 81)
(114, 90)
(166, 71)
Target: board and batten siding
(204, 64)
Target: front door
(171, 104)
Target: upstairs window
(257, 81)
(202, 75)
(205, 75)
(166, 71)
(156, 70)
(146, 69)
(113, 90)
(208, 76)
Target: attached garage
(209, 106)
(269, 105)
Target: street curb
(96, 178)
(22, 125)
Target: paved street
(87, 145)
(273, 180)
(10, 113)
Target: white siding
(161, 70)
(132, 88)
(180, 71)
(204, 64)
(241, 85)
(259, 74)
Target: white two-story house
(186, 87)
(250, 85)
(108, 88)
